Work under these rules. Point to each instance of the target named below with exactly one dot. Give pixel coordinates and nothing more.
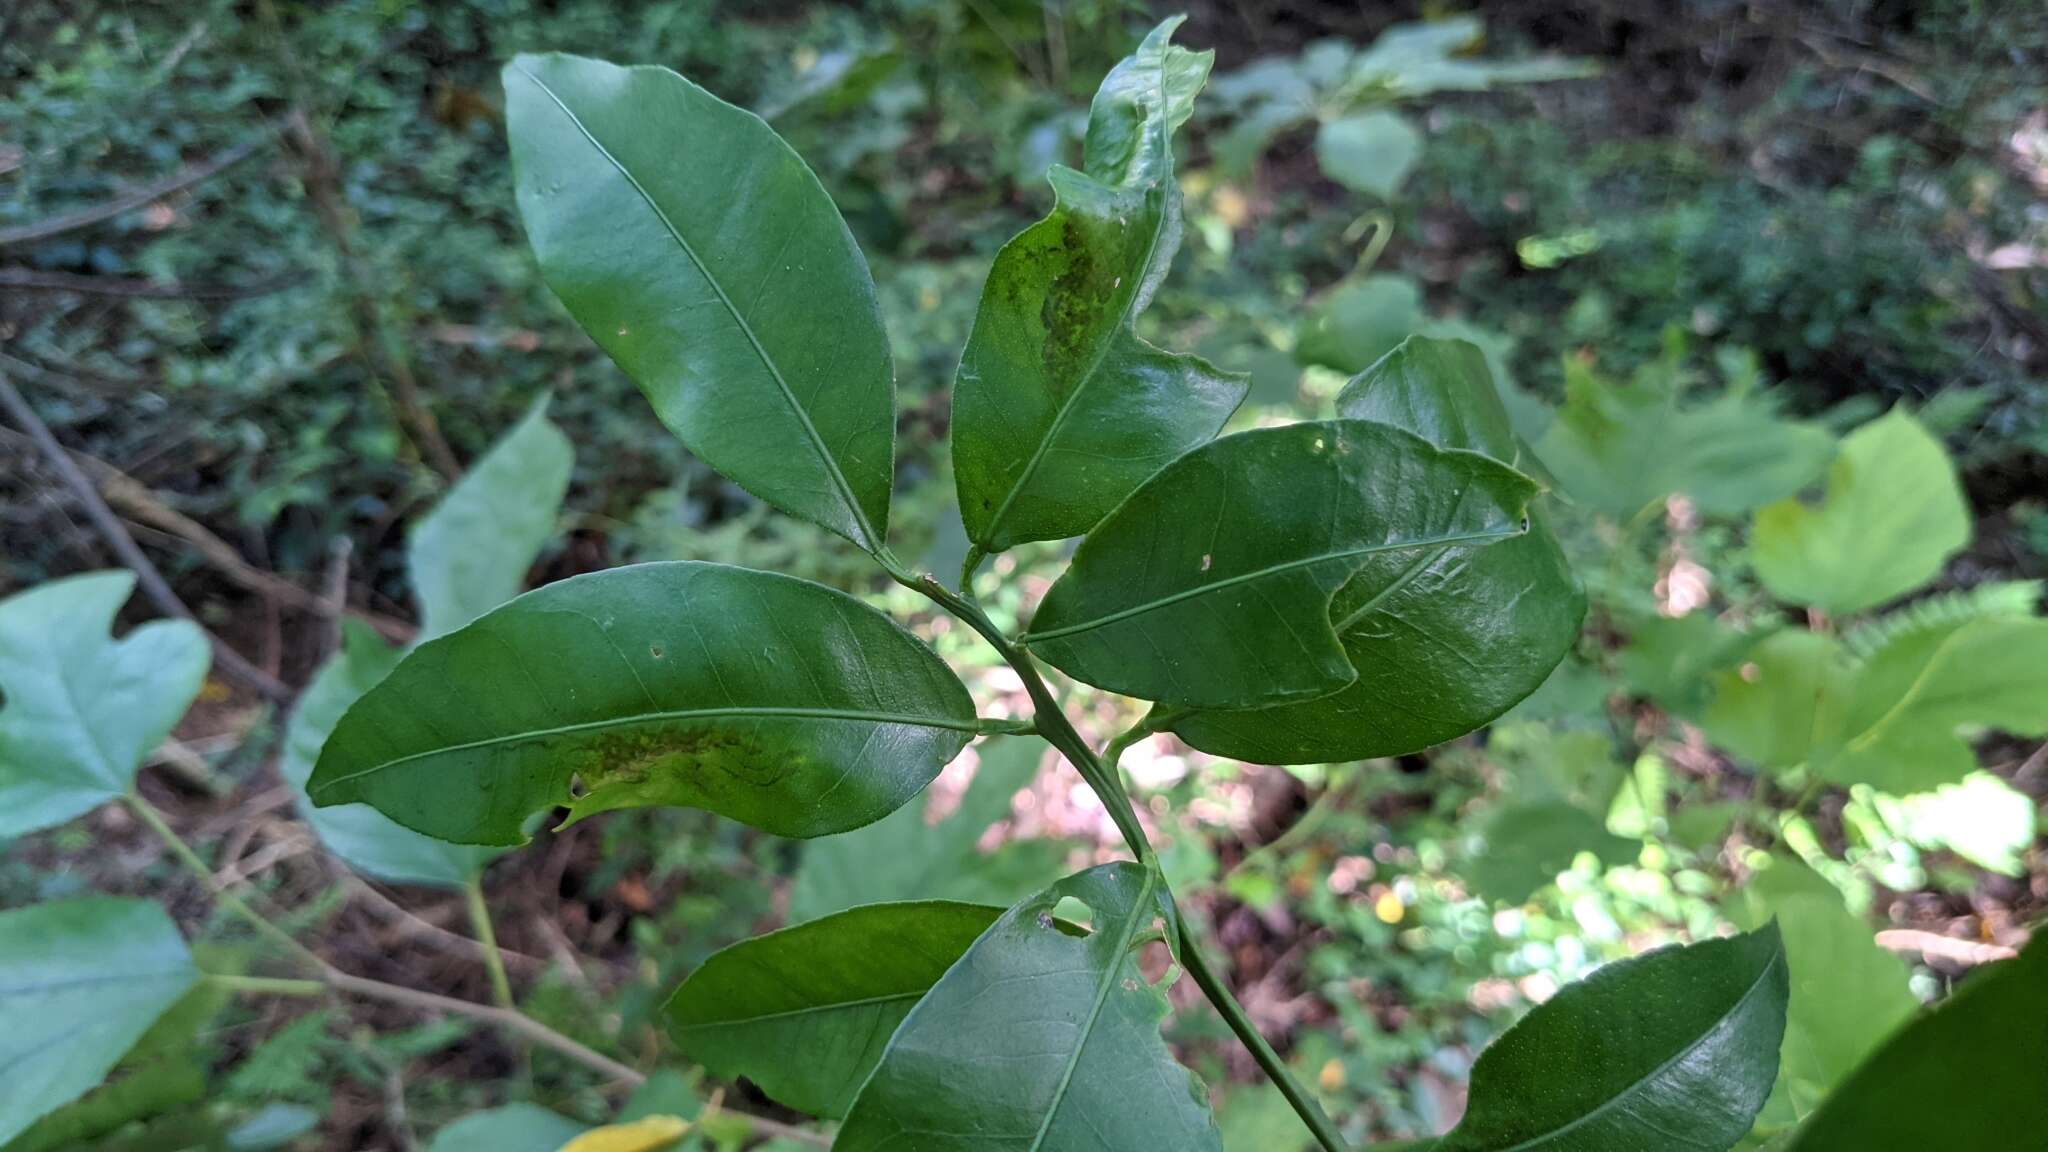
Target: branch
(124, 545)
(86, 217)
(32, 280)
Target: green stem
(1058, 731)
(1003, 726)
(147, 813)
(487, 936)
(1213, 987)
(267, 985)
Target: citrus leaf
(1674, 1048)
(1443, 641)
(80, 982)
(471, 553)
(1893, 515)
(364, 838)
(79, 709)
(1971, 1076)
(805, 1012)
(699, 251)
(1059, 408)
(768, 699)
(1042, 1038)
(1212, 585)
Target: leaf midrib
(793, 1013)
(1154, 605)
(871, 540)
(1109, 982)
(530, 734)
(1777, 958)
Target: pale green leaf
(776, 702)
(1893, 515)
(1370, 151)
(1360, 320)
(1516, 848)
(699, 251)
(509, 1128)
(79, 709)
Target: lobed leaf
(1443, 640)
(1675, 1048)
(1041, 1038)
(804, 1013)
(764, 698)
(1060, 409)
(1893, 515)
(1213, 585)
(79, 709)
(701, 253)
(80, 982)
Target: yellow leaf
(653, 1134)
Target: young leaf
(1212, 585)
(80, 982)
(903, 857)
(1893, 515)
(1059, 408)
(78, 709)
(1848, 994)
(805, 1012)
(1971, 1076)
(471, 553)
(1040, 1038)
(364, 838)
(698, 250)
(771, 700)
(1369, 151)
(1444, 640)
(1682, 1040)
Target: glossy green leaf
(471, 553)
(1213, 585)
(699, 251)
(1893, 515)
(78, 709)
(1443, 641)
(1370, 151)
(509, 1128)
(1971, 1076)
(1616, 447)
(1675, 1048)
(1519, 847)
(1350, 327)
(1060, 409)
(1848, 994)
(1042, 1038)
(80, 982)
(805, 1012)
(907, 856)
(764, 698)
(364, 838)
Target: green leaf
(1213, 585)
(1967, 1077)
(1983, 819)
(1893, 515)
(1676, 1047)
(1350, 327)
(80, 982)
(1257, 1118)
(471, 553)
(904, 856)
(1410, 60)
(78, 709)
(1042, 1038)
(699, 251)
(805, 1012)
(1369, 151)
(364, 838)
(1618, 447)
(1848, 994)
(1444, 641)
(1060, 409)
(511, 1128)
(1780, 701)
(776, 702)
(1517, 848)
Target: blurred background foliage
(1700, 243)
